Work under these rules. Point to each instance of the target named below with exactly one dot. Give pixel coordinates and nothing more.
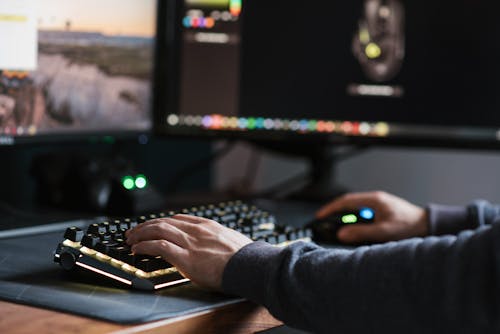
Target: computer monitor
(75, 69)
(326, 73)
(381, 71)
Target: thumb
(362, 233)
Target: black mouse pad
(29, 276)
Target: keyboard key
(74, 234)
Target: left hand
(198, 247)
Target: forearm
(446, 219)
(427, 285)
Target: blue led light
(366, 213)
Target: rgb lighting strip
(219, 122)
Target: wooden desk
(240, 318)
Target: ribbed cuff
(247, 272)
(444, 219)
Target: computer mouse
(325, 229)
(379, 41)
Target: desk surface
(244, 317)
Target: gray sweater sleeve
(445, 219)
(448, 284)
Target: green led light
(349, 219)
(108, 140)
(140, 181)
(252, 123)
(312, 125)
(128, 182)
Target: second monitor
(76, 69)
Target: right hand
(198, 247)
(395, 218)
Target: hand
(395, 218)
(198, 247)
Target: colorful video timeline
(219, 122)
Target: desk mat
(29, 276)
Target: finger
(168, 251)
(169, 220)
(349, 201)
(191, 219)
(363, 233)
(142, 225)
(159, 231)
(190, 228)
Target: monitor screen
(371, 71)
(75, 68)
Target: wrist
(424, 223)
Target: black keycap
(151, 264)
(291, 236)
(96, 229)
(104, 236)
(123, 226)
(105, 246)
(227, 218)
(119, 252)
(90, 240)
(112, 228)
(281, 238)
(271, 239)
(74, 234)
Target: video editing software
(368, 68)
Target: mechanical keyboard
(101, 248)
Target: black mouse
(325, 229)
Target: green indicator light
(312, 125)
(349, 219)
(141, 182)
(108, 140)
(128, 182)
(252, 123)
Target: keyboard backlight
(104, 273)
(164, 285)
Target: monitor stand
(319, 185)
